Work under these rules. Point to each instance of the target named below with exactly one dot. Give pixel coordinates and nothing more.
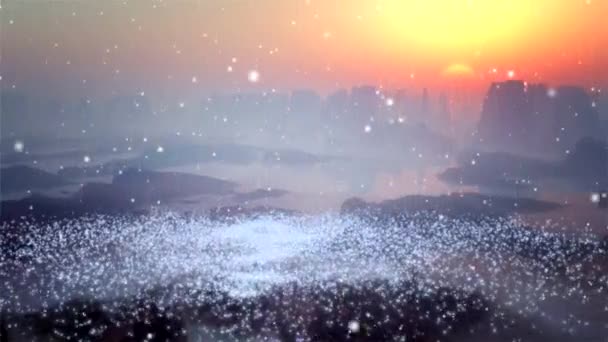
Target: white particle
(353, 326)
(595, 198)
(253, 76)
(86, 159)
(367, 128)
(19, 146)
(390, 102)
(160, 149)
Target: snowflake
(19, 146)
(253, 76)
(595, 198)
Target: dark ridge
(129, 192)
(465, 204)
(21, 178)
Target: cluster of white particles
(169, 260)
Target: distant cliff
(535, 119)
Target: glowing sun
(458, 71)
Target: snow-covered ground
(105, 258)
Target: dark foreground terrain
(369, 274)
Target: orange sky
(126, 46)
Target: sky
(88, 48)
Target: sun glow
(455, 24)
(458, 70)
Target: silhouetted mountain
(588, 163)
(575, 116)
(134, 187)
(129, 192)
(533, 119)
(495, 172)
(585, 168)
(467, 204)
(504, 114)
(364, 102)
(258, 194)
(22, 178)
(479, 177)
(189, 154)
